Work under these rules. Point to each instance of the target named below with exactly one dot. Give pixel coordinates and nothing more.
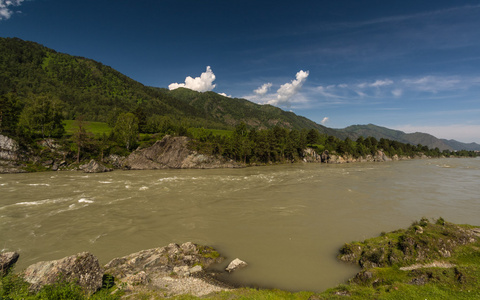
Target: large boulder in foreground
(173, 153)
(82, 268)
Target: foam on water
(83, 200)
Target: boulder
(173, 153)
(7, 260)
(183, 260)
(94, 167)
(235, 265)
(8, 148)
(82, 268)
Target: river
(286, 221)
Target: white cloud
(380, 83)
(200, 84)
(288, 90)
(225, 95)
(324, 121)
(6, 8)
(434, 84)
(263, 89)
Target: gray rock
(94, 167)
(7, 260)
(235, 265)
(82, 268)
(173, 153)
(181, 259)
(8, 148)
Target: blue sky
(408, 65)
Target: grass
(97, 128)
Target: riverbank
(168, 153)
(430, 259)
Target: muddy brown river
(286, 221)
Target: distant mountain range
(425, 139)
(100, 93)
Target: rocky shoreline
(171, 270)
(425, 258)
(168, 153)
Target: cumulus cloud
(263, 89)
(325, 120)
(225, 95)
(200, 84)
(288, 90)
(6, 8)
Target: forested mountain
(99, 93)
(355, 131)
(462, 146)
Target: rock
(181, 259)
(235, 265)
(7, 260)
(8, 148)
(94, 167)
(82, 268)
(309, 155)
(173, 153)
(137, 279)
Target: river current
(287, 221)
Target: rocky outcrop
(9, 156)
(177, 269)
(173, 153)
(8, 148)
(82, 268)
(7, 260)
(182, 259)
(94, 167)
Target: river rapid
(287, 221)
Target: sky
(406, 65)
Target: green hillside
(99, 93)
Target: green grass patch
(97, 128)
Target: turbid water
(286, 221)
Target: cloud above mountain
(203, 83)
(286, 95)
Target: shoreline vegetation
(81, 142)
(431, 259)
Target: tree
(9, 113)
(81, 137)
(42, 116)
(126, 130)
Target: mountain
(100, 93)
(462, 146)
(82, 86)
(425, 139)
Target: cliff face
(173, 153)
